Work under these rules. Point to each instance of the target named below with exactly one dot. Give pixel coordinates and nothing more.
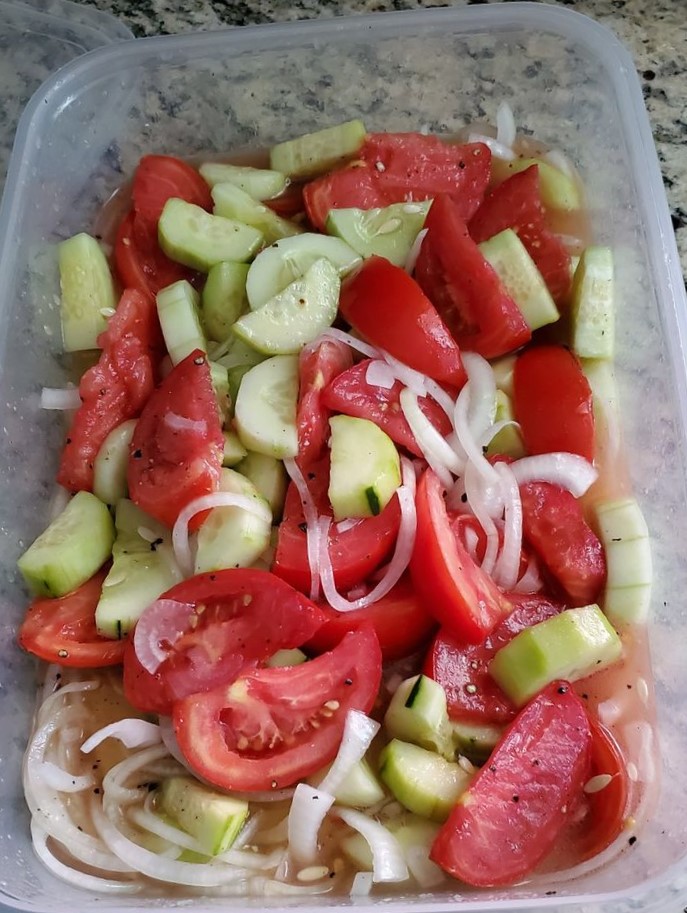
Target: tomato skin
(160, 177)
(400, 620)
(317, 368)
(458, 593)
(269, 706)
(352, 186)
(170, 466)
(113, 390)
(553, 402)
(455, 664)
(355, 553)
(519, 802)
(351, 394)
(139, 259)
(390, 310)
(289, 203)
(63, 630)
(554, 526)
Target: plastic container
(571, 84)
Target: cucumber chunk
(314, 153)
(75, 545)
(365, 468)
(219, 376)
(177, 310)
(389, 232)
(224, 298)
(508, 440)
(269, 477)
(190, 235)
(593, 312)
(422, 781)
(417, 713)
(265, 411)
(283, 262)
(111, 464)
(625, 537)
(360, 787)
(568, 646)
(521, 278)
(475, 741)
(558, 190)
(214, 819)
(260, 183)
(295, 316)
(503, 374)
(286, 658)
(234, 451)
(87, 292)
(240, 354)
(233, 203)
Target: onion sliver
(59, 779)
(388, 863)
(498, 150)
(133, 733)
(508, 562)
(531, 581)
(414, 252)
(359, 730)
(474, 491)
(181, 423)
(482, 399)
(438, 453)
(165, 617)
(569, 470)
(308, 810)
(505, 125)
(379, 374)
(348, 339)
(473, 449)
(60, 398)
(312, 532)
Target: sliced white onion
(560, 161)
(361, 885)
(169, 740)
(359, 731)
(312, 532)
(474, 489)
(147, 820)
(414, 252)
(115, 792)
(308, 810)
(60, 398)
(424, 871)
(505, 125)
(473, 449)
(61, 780)
(482, 400)
(507, 564)
(388, 863)
(494, 429)
(379, 374)
(438, 453)
(409, 377)
(569, 470)
(61, 497)
(498, 150)
(180, 423)
(165, 618)
(349, 523)
(531, 580)
(132, 733)
(348, 339)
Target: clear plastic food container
(573, 86)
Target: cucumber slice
(285, 261)
(295, 316)
(314, 153)
(177, 310)
(240, 354)
(234, 451)
(141, 570)
(625, 537)
(417, 713)
(219, 376)
(422, 781)
(285, 658)
(265, 412)
(75, 545)
(269, 477)
(233, 203)
(558, 190)
(365, 468)
(508, 441)
(197, 239)
(214, 819)
(389, 232)
(475, 741)
(224, 298)
(260, 183)
(521, 278)
(111, 464)
(568, 646)
(236, 375)
(88, 293)
(231, 536)
(503, 373)
(360, 787)
(593, 311)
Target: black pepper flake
(585, 697)
(629, 687)
(516, 798)
(464, 498)
(213, 576)
(632, 841)
(348, 681)
(154, 544)
(550, 893)
(68, 441)
(199, 360)
(332, 874)
(311, 476)
(137, 454)
(492, 768)
(563, 689)
(96, 791)
(79, 828)
(303, 527)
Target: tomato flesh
(139, 259)
(317, 368)
(158, 178)
(354, 186)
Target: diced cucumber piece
(88, 293)
(365, 468)
(359, 789)
(558, 190)
(190, 235)
(625, 537)
(521, 278)
(503, 373)
(285, 658)
(265, 410)
(568, 646)
(593, 311)
(389, 232)
(260, 183)
(475, 741)
(422, 781)
(417, 713)
(314, 153)
(111, 464)
(234, 451)
(142, 569)
(283, 262)
(224, 298)
(214, 819)
(220, 384)
(236, 375)
(508, 440)
(233, 203)
(295, 316)
(75, 545)
(269, 477)
(239, 354)
(177, 310)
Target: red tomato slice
(400, 620)
(514, 810)
(516, 204)
(236, 618)
(63, 630)
(289, 203)
(113, 390)
(553, 402)
(458, 593)
(160, 177)
(356, 552)
(463, 669)
(139, 259)
(176, 450)
(351, 394)
(273, 727)
(353, 186)
(554, 526)
(464, 287)
(389, 309)
(317, 368)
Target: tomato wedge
(231, 620)
(176, 450)
(160, 177)
(353, 186)
(272, 727)
(459, 594)
(139, 259)
(388, 308)
(520, 801)
(63, 630)
(317, 368)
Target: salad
(345, 587)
